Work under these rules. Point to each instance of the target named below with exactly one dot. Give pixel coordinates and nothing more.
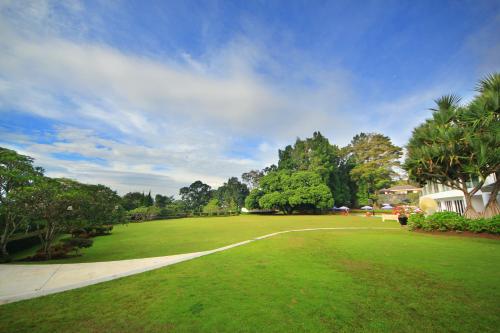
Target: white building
(449, 199)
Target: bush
(144, 214)
(92, 231)
(445, 221)
(491, 225)
(23, 241)
(416, 221)
(450, 221)
(74, 244)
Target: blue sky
(152, 95)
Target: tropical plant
(459, 144)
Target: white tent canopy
(367, 207)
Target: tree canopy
(316, 154)
(196, 195)
(374, 157)
(232, 194)
(460, 143)
(287, 192)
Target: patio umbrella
(387, 207)
(367, 207)
(344, 208)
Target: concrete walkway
(18, 282)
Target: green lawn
(161, 238)
(317, 281)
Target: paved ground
(18, 282)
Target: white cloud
(178, 117)
(162, 122)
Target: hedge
(450, 221)
(23, 241)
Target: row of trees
(460, 143)
(352, 174)
(195, 198)
(30, 201)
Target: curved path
(18, 282)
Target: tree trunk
(7, 233)
(492, 208)
(3, 242)
(5, 253)
(470, 212)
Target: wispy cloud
(161, 118)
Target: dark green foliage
(132, 200)
(450, 221)
(374, 159)
(16, 172)
(287, 191)
(148, 200)
(332, 164)
(252, 200)
(99, 205)
(196, 195)
(74, 244)
(92, 231)
(22, 241)
(231, 195)
(162, 200)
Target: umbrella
(367, 207)
(344, 208)
(387, 207)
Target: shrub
(416, 221)
(58, 251)
(92, 231)
(491, 225)
(144, 214)
(444, 221)
(450, 221)
(74, 244)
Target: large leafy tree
(289, 191)
(375, 158)
(232, 194)
(133, 200)
(56, 206)
(196, 195)
(460, 143)
(99, 205)
(316, 154)
(16, 172)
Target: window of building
(459, 206)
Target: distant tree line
(311, 176)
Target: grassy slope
(160, 238)
(318, 281)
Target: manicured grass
(161, 238)
(316, 281)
